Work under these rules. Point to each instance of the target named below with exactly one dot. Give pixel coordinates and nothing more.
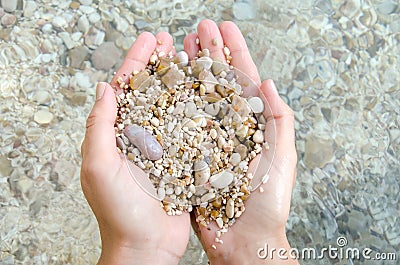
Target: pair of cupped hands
(134, 228)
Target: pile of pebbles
(185, 124)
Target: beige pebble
(258, 137)
(256, 104)
(242, 150)
(213, 133)
(207, 197)
(155, 121)
(227, 52)
(220, 222)
(221, 180)
(153, 58)
(208, 80)
(230, 208)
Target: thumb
(99, 140)
(279, 116)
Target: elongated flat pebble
(256, 104)
(205, 62)
(230, 208)
(220, 222)
(144, 141)
(221, 179)
(208, 80)
(207, 197)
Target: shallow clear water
(335, 63)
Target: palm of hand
(266, 213)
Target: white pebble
(235, 159)
(205, 62)
(227, 52)
(213, 133)
(207, 197)
(258, 137)
(155, 121)
(9, 5)
(256, 104)
(153, 59)
(43, 117)
(221, 180)
(183, 58)
(230, 208)
(144, 141)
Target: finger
(190, 45)
(279, 116)
(279, 134)
(165, 44)
(100, 134)
(136, 59)
(241, 58)
(211, 39)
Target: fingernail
(274, 87)
(101, 87)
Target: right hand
(264, 219)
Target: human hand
(264, 219)
(134, 228)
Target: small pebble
(183, 58)
(221, 180)
(258, 137)
(227, 52)
(43, 117)
(190, 109)
(256, 104)
(9, 5)
(205, 62)
(235, 159)
(8, 20)
(153, 58)
(230, 208)
(155, 121)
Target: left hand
(134, 228)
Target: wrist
(273, 250)
(121, 255)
